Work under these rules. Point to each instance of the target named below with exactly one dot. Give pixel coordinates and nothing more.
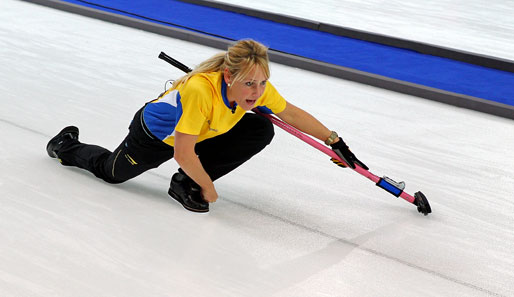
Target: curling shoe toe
(187, 193)
(56, 143)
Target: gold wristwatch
(333, 136)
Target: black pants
(141, 151)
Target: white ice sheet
(483, 27)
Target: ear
(227, 76)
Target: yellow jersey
(201, 107)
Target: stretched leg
(137, 153)
(224, 153)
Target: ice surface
(484, 27)
(288, 223)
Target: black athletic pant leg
(224, 153)
(138, 152)
(141, 151)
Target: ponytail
(239, 60)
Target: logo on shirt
(211, 129)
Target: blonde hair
(239, 59)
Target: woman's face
(246, 91)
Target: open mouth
(250, 102)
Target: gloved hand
(342, 150)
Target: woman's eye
(251, 83)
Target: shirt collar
(224, 95)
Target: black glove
(342, 150)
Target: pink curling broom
(395, 188)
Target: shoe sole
(175, 197)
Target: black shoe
(55, 144)
(187, 192)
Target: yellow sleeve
(195, 106)
(272, 100)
